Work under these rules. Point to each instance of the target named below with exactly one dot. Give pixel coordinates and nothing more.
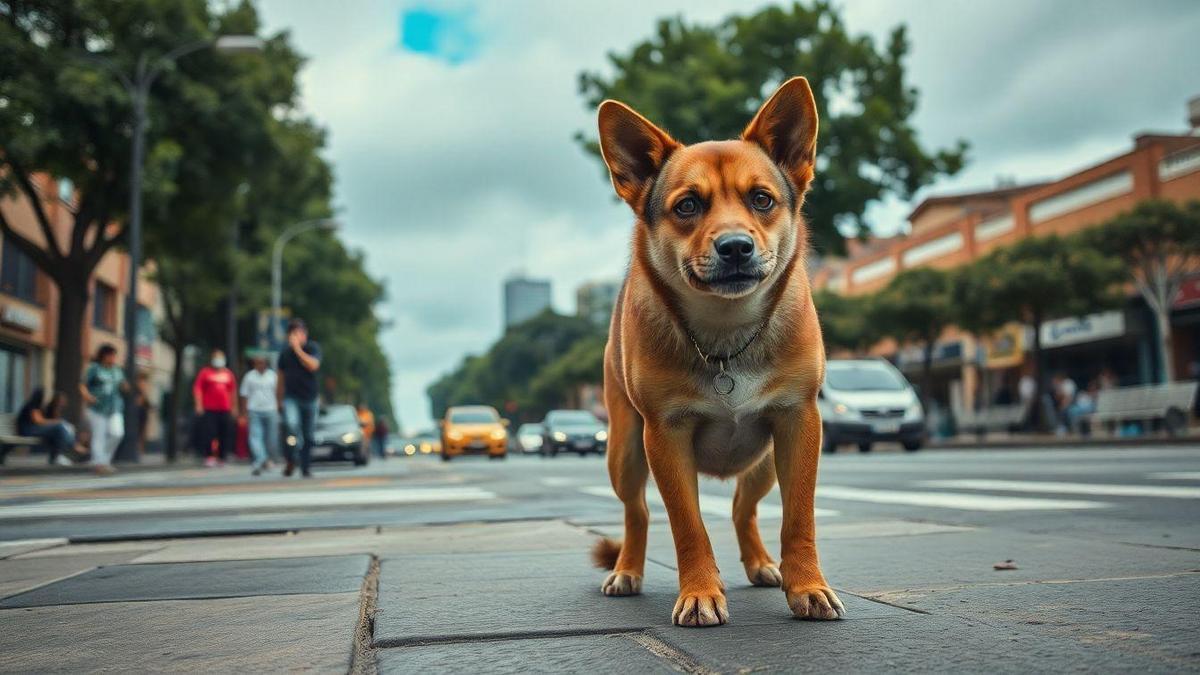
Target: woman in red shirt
(215, 394)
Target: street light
(137, 87)
(277, 266)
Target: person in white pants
(102, 389)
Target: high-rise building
(595, 300)
(524, 299)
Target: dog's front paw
(622, 583)
(764, 574)
(815, 602)
(700, 609)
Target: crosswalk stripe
(1100, 489)
(712, 505)
(242, 501)
(952, 500)
(1175, 475)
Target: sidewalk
(521, 597)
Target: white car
(529, 438)
(867, 400)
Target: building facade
(29, 305)
(524, 299)
(951, 230)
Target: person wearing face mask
(215, 394)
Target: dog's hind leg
(752, 486)
(628, 471)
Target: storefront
(21, 356)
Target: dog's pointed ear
(633, 148)
(786, 127)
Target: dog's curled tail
(605, 552)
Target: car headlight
(913, 411)
(454, 435)
(426, 448)
(560, 437)
(499, 435)
(841, 409)
(350, 437)
(601, 436)
(410, 449)
(291, 441)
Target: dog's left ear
(786, 127)
(633, 148)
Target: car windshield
(472, 417)
(530, 430)
(863, 377)
(572, 417)
(342, 414)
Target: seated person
(41, 419)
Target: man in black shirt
(297, 392)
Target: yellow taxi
(474, 430)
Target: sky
(451, 124)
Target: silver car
(867, 400)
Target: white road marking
(279, 499)
(1175, 475)
(1169, 491)
(712, 505)
(559, 481)
(951, 500)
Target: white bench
(1171, 403)
(993, 418)
(9, 438)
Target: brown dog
(714, 356)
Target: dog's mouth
(727, 282)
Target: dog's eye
(687, 207)
(761, 200)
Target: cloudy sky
(451, 129)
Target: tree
(1159, 242)
(916, 306)
(64, 116)
(1035, 280)
(845, 322)
(704, 82)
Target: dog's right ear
(633, 148)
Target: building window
(14, 387)
(873, 270)
(104, 307)
(18, 274)
(934, 248)
(1085, 195)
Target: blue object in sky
(444, 35)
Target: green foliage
(916, 306)
(702, 82)
(530, 370)
(845, 321)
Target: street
(412, 565)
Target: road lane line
(243, 501)
(952, 500)
(1175, 475)
(712, 505)
(1059, 487)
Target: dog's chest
(732, 431)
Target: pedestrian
(262, 414)
(102, 389)
(216, 405)
(297, 394)
(366, 420)
(379, 441)
(1063, 389)
(35, 419)
(141, 399)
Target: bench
(1171, 403)
(993, 418)
(9, 438)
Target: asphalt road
(1147, 496)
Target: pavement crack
(678, 660)
(362, 659)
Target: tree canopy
(845, 321)
(704, 82)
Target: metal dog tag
(723, 382)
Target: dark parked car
(338, 436)
(573, 431)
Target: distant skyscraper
(524, 299)
(595, 300)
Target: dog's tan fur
(665, 417)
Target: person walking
(216, 405)
(297, 394)
(379, 442)
(35, 419)
(366, 421)
(262, 415)
(102, 388)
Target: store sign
(20, 317)
(1005, 348)
(1062, 332)
(1189, 293)
(943, 352)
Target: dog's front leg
(797, 450)
(672, 461)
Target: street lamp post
(277, 267)
(138, 89)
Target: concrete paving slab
(173, 581)
(307, 543)
(134, 548)
(541, 535)
(23, 574)
(9, 549)
(578, 654)
(253, 634)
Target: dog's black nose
(734, 248)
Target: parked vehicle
(530, 438)
(474, 430)
(573, 431)
(864, 401)
(337, 436)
